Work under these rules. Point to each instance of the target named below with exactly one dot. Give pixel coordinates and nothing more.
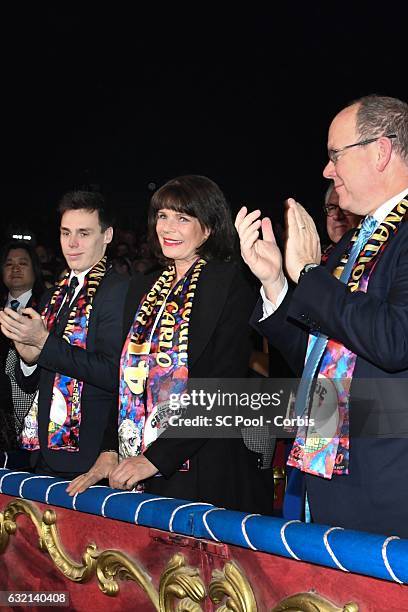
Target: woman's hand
(130, 471)
(102, 467)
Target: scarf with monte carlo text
(328, 454)
(66, 396)
(154, 361)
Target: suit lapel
(208, 305)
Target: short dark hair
(38, 287)
(382, 115)
(199, 197)
(90, 201)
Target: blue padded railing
(350, 551)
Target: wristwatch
(306, 269)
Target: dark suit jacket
(374, 325)
(21, 408)
(8, 439)
(5, 343)
(97, 366)
(222, 471)
(8, 433)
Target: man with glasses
(338, 221)
(347, 323)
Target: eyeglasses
(333, 209)
(334, 154)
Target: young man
(70, 353)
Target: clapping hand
(262, 255)
(303, 242)
(28, 331)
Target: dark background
(123, 98)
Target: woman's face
(179, 235)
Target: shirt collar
(387, 207)
(23, 298)
(80, 276)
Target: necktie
(320, 344)
(64, 310)
(15, 305)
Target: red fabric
(273, 578)
(24, 567)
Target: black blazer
(374, 325)
(8, 440)
(8, 434)
(222, 471)
(96, 366)
(5, 343)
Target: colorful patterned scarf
(323, 448)
(154, 362)
(65, 411)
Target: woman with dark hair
(21, 287)
(190, 321)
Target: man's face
(18, 273)
(41, 253)
(354, 173)
(83, 242)
(338, 222)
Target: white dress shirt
(380, 214)
(23, 299)
(26, 369)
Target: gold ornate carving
(233, 584)
(279, 474)
(21, 506)
(311, 602)
(181, 587)
(49, 540)
(7, 528)
(76, 572)
(113, 565)
(179, 581)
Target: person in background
(47, 265)
(122, 266)
(338, 221)
(23, 288)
